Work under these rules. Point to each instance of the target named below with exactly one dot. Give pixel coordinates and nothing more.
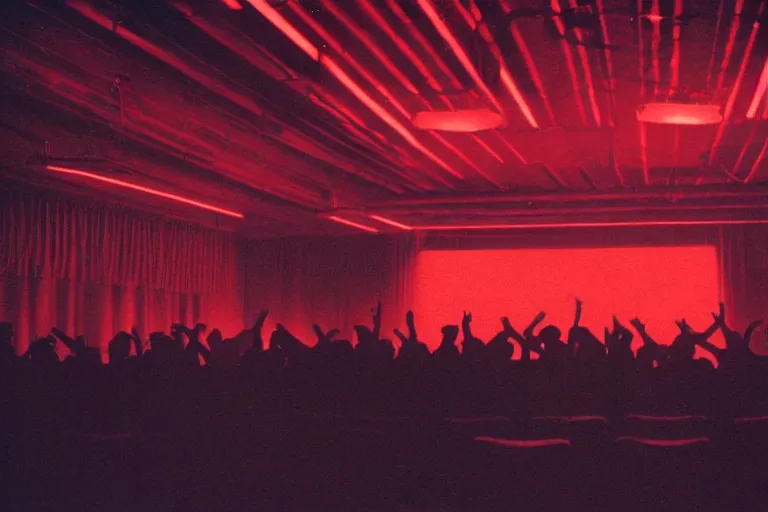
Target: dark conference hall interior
(383, 255)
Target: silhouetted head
(215, 338)
(450, 333)
(119, 347)
(549, 334)
(364, 334)
(43, 350)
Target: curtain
(95, 271)
(334, 282)
(744, 272)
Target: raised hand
(577, 316)
(637, 324)
(324, 337)
(402, 337)
(539, 318)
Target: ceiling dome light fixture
(679, 114)
(461, 121)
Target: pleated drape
(95, 271)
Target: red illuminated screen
(657, 284)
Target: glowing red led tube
(232, 4)
(353, 224)
(286, 28)
(146, 190)
(390, 222)
(760, 92)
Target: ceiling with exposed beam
(289, 117)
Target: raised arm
(640, 328)
(137, 342)
(377, 322)
(751, 329)
(577, 316)
(528, 332)
(466, 326)
(525, 342)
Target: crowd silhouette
(186, 346)
(189, 419)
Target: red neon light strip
(286, 28)
(506, 76)
(370, 9)
(643, 152)
(370, 44)
(589, 224)
(641, 47)
(734, 91)
(336, 46)
(358, 92)
(762, 88)
(352, 224)
(758, 160)
(232, 4)
(405, 20)
(390, 222)
(486, 147)
(569, 62)
(445, 33)
(585, 64)
(711, 65)
(655, 19)
(608, 61)
(531, 65)
(146, 190)
(674, 63)
(465, 14)
(731, 41)
(369, 102)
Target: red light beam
(286, 28)
(760, 92)
(390, 222)
(146, 190)
(370, 44)
(353, 224)
(370, 9)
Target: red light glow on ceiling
(353, 224)
(146, 190)
(653, 283)
(679, 114)
(462, 121)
